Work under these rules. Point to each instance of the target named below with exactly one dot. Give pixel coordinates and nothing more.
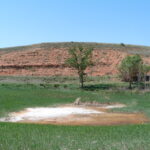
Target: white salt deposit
(40, 113)
(43, 113)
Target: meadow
(49, 137)
(17, 94)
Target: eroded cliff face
(51, 62)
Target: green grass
(15, 97)
(133, 49)
(56, 79)
(15, 136)
(48, 137)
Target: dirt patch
(75, 115)
(102, 119)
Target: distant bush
(65, 86)
(122, 44)
(56, 85)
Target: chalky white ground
(41, 113)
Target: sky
(24, 22)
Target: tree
(144, 70)
(131, 67)
(80, 59)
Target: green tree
(131, 67)
(145, 69)
(80, 59)
(143, 72)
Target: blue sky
(24, 22)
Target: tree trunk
(82, 84)
(130, 85)
(81, 80)
(139, 80)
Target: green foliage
(56, 85)
(80, 59)
(131, 67)
(145, 68)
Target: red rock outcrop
(51, 62)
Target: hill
(48, 59)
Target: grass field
(17, 96)
(48, 137)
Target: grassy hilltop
(133, 49)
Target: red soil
(41, 62)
